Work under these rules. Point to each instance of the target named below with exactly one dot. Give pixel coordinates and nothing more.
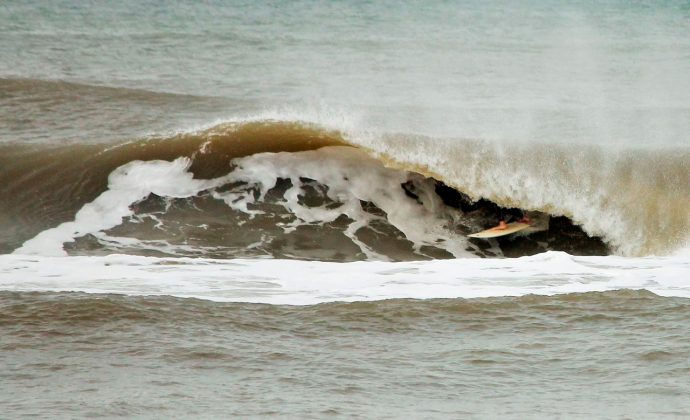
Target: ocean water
(244, 209)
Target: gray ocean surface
(595, 355)
(576, 109)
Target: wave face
(296, 190)
(46, 185)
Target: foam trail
(297, 282)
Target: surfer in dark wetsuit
(506, 215)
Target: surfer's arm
(502, 225)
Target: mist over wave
(610, 73)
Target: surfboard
(495, 233)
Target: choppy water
(606, 355)
(189, 192)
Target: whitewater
(290, 282)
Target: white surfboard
(495, 232)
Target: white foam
(297, 282)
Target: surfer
(507, 214)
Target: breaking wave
(292, 189)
